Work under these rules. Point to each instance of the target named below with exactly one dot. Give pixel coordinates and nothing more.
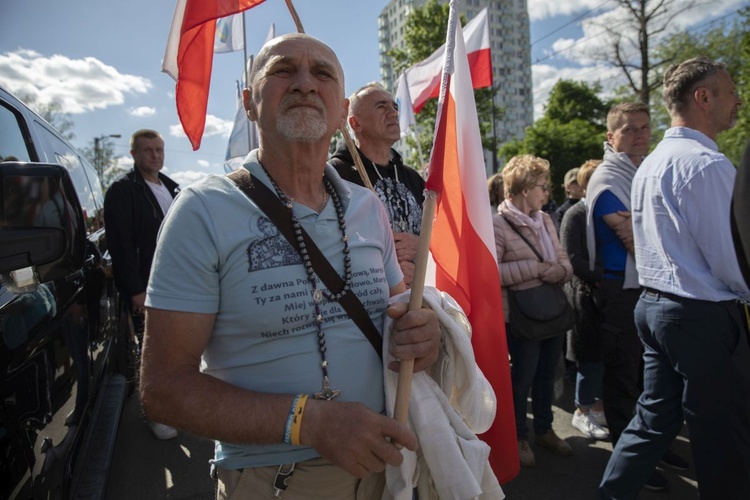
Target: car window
(12, 144)
(68, 158)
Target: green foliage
(570, 100)
(571, 131)
(732, 142)
(424, 32)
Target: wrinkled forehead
(294, 48)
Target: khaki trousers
(317, 478)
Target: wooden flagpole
(296, 18)
(406, 368)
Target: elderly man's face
(376, 117)
(298, 93)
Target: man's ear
(345, 113)
(247, 102)
(702, 97)
(353, 123)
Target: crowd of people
(661, 330)
(248, 344)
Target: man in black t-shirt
(373, 117)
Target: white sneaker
(162, 431)
(599, 418)
(588, 427)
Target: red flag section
(424, 77)
(463, 247)
(190, 54)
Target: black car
(67, 355)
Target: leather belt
(658, 294)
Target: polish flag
(424, 77)
(190, 54)
(463, 243)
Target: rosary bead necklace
(318, 293)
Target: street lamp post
(96, 150)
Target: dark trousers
(533, 366)
(621, 354)
(696, 367)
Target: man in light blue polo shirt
(243, 339)
(690, 317)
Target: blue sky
(101, 60)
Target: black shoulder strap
(274, 208)
(515, 228)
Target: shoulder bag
(540, 312)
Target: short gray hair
(681, 80)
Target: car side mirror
(42, 236)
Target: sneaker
(552, 442)
(162, 431)
(525, 454)
(674, 461)
(599, 418)
(586, 425)
(657, 482)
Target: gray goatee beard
(302, 124)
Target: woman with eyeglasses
(533, 362)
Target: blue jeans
(589, 383)
(533, 366)
(696, 367)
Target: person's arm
(705, 202)
(622, 225)
(573, 240)
(174, 391)
(560, 271)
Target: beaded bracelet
(299, 411)
(287, 439)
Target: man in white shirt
(134, 208)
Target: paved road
(145, 468)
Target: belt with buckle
(651, 292)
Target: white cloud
(214, 126)
(545, 77)
(125, 162)
(542, 9)
(76, 85)
(142, 111)
(217, 126)
(204, 163)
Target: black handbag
(540, 312)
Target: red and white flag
(190, 55)
(463, 243)
(424, 77)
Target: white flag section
(424, 77)
(403, 100)
(271, 32)
(242, 140)
(229, 34)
